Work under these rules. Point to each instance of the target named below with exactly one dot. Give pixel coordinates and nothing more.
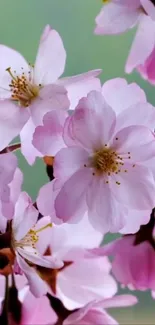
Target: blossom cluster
(98, 146)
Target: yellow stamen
(22, 88)
(45, 227)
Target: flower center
(31, 238)
(106, 161)
(23, 90)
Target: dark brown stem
(4, 315)
(11, 148)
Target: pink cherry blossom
(24, 240)
(133, 262)
(80, 280)
(119, 16)
(95, 312)
(34, 310)
(104, 165)
(130, 105)
(44, 91)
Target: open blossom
(23, 254)
(104, 165)
(131, 108)
(133, 258)
(80, 280)
(28, 92)
(95, 312)
(119, 16)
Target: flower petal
(51, 97)
(118, 301)
(138, 114)
(48, 138)
(71, 198)
(16, 62)
(68, 161)
(132, 146)
(136, 189)
(34, 257)
(116, 18)
(79, 86)
(12, 120)
(51, 57)
(93, 121)
(142, 45)
(25, 216)
(28, 150)
(149, 8)
(37, 286)
(102, 207)
(121, 96)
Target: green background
(21, 24)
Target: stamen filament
(43, 228)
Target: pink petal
(51, 97)
(8, 165)
(89, 315)
(25, 216)
(68, 161)
(79, 86)
(34, 257)
(136, 187)
(16, 62)
(116, 18)
(142, 273)
(141, 149)
(123, 96)
(37, 311)
(37, 286)
(81, 235)
(28, 150)
(102, 207)
(118, 301)
(48, 138)
(12, 119)
(45, 200)
(147, 70)
(15, 189)
(149, 8)
(84, 281)
(51, 57)
(69, 201)
(93, 121)
(138, 114)
(142, 45)
(140, 218)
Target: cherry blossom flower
(95, 312)
(133, 262)
(104, 165)
(130, 105)
(80, 280)
(119, 16)
(29, 92)
(23, 252)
